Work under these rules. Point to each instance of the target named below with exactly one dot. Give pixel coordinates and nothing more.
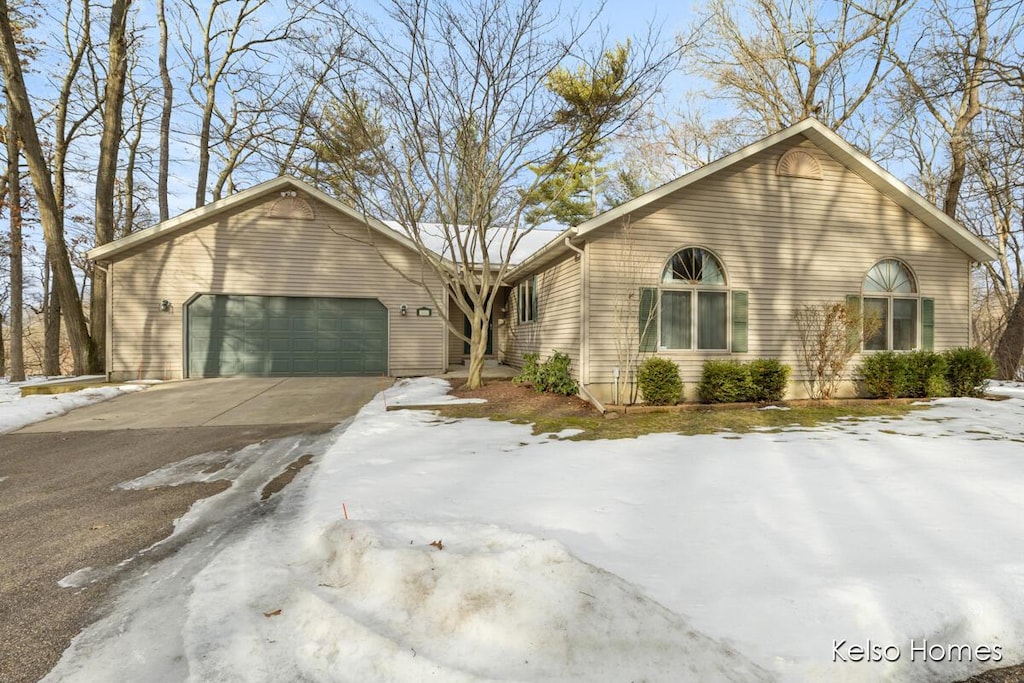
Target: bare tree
(959, 108)
(1000, 169)
(225, 42)
(20, 110)
(106, 170)
(315, 63)
(462, 91)
(661, 146)
(780, 62)
(17, 355)
(166, 106)
(945, 75)
(129, 212)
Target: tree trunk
(203, 174)
(970, 108)
(477, 350)
(51, 327)
(17, 277)
(1011, 343)
(165, 116)
(106, 173)
(20, 111)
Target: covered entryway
(233, 335)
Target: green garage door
(261, 336)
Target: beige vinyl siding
(248, 252)
(557, 327)
(784, 240)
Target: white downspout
(583, 336)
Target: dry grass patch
(549, 413)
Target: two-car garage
(263, 336)
(279, 280)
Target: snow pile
(380, 603)
(16, 410)
(708, 558)
(423, 391)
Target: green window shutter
(648, 319)
(927, 324)
(739, 322)
(853, 309)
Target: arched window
(891, 307)
(694, 302)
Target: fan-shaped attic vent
(290, 206)
(799, 164)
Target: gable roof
(822, 136)
(197, 216)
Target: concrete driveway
(61, 509)
(221, 403)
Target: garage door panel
(278, 323)
(280, 344)
(332, 324)
(304, 344)
(261, 336)
(303, 324)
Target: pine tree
(568, 188)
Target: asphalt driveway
(61, 510)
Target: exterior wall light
(405, 310)
(165, 306)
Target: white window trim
(525, 297)
(696, 290)
(890, 296)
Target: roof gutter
(543, 251)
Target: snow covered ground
(476, 551)
(17, 411)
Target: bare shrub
(830, 335)
(632, 322)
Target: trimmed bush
(660, 382)
(884, 374)
(725, 381)
(924, 375)
(768, 379)
(966, 371)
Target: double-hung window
(526, 300)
